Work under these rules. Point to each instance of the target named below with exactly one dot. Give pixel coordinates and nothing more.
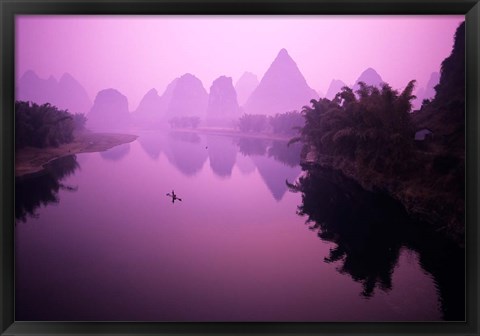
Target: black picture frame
(10, 8)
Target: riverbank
(425, 195)
(31, 160)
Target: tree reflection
(252, 146)
(287, 154)
(369, 230)
(33, 192)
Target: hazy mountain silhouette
(109, 111)
(432, 82)
(222, 102)
(67, 93)
(369, 77)
(168, 93)
(283, 88)
(417, 102)
(427, 92)
(244, 87)
(150, 110)
(189, 97)
(334, 88)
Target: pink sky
(134, 54)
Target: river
(98, 239)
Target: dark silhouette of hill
(244, 87)
(222, 102)
(189, 98)
(66, 94)
(109, 111)
(445, 115)
(283, 88)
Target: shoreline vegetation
(372, 136)
(31, 161)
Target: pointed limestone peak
(152, 93)
(28, 75)
(283, 57)
(283, 88)
(67, 77)
(369, 77)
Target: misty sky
(136, 53)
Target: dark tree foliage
(79, 121)
(253, 123)
(373, 130)
(44, 125)
(287, 123)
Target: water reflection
(274, 174)
(275, 161)
(287, 154)
(116, 153)
(369, 231)
(186, 151)
(33, 192)
(252, 146)
(151, 143)
(222, 154)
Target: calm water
(98, 239)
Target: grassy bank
(30, 160)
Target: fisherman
(174, 196)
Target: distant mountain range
(67, 93)
(283, 88)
